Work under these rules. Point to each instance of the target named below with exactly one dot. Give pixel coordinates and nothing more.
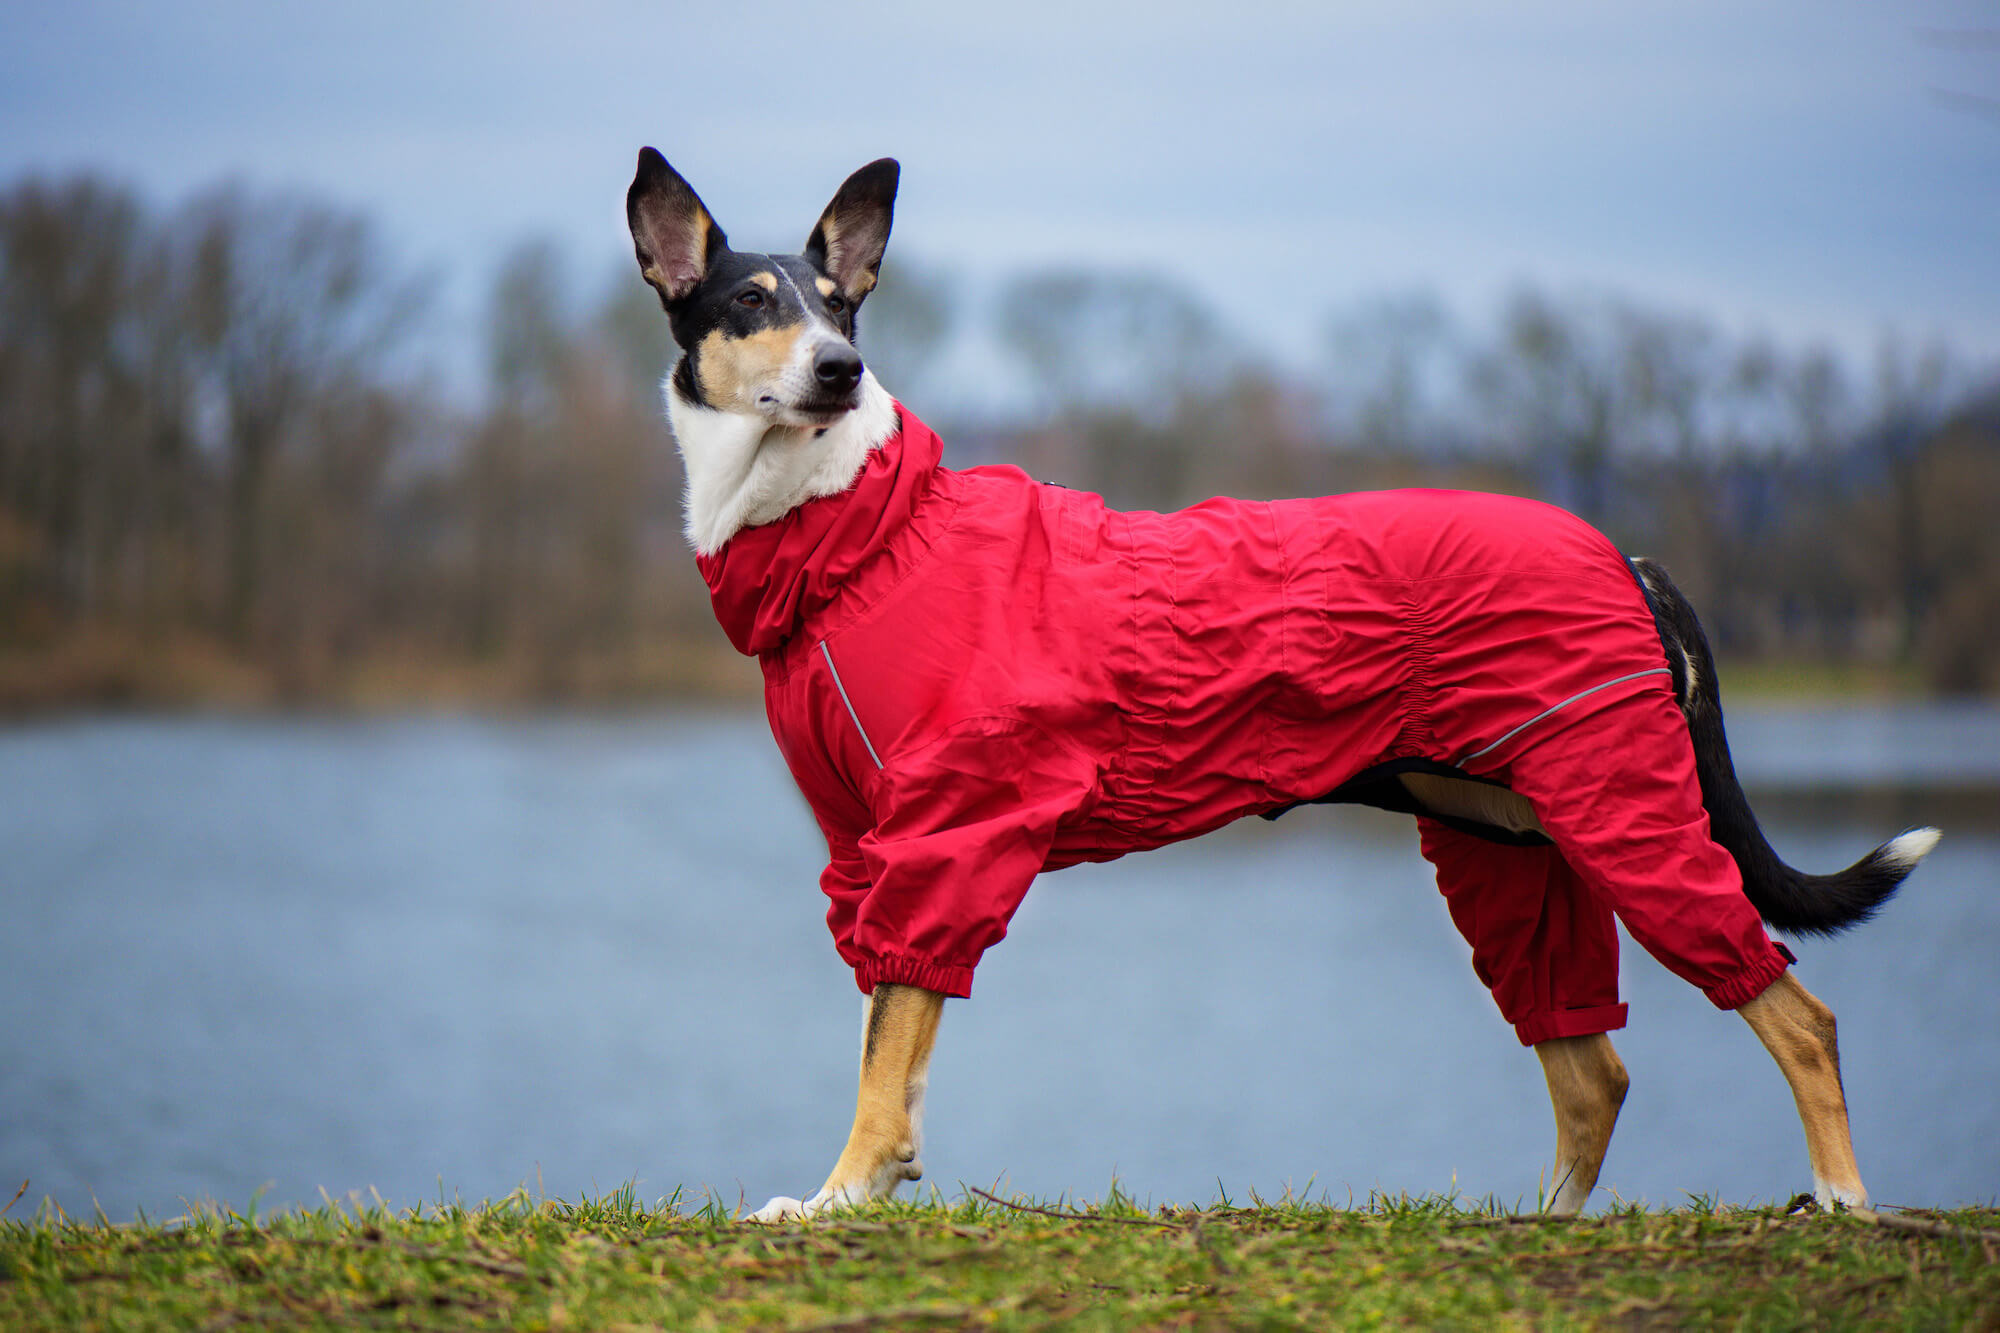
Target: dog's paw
(836, 1197)
(785, 1209)
(781, 1209)
(1827, 1195)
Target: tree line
(228, 470)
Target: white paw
(785, 1209)
(780, 1209)
(1827, 1194)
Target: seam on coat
(1548, 712)
(1419, 687)
(1276, 737)
(1137, 765)
(860, 730)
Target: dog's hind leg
(1587, 1085)
(899, 1028)
(1798, 1031)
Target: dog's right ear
(672, 232)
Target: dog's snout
(838, 369)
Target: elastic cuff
(899, 971)
(1538, 1028)
(1753, 980)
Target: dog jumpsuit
(975, 677)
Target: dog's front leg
(898, 1029)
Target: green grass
(614, 1263)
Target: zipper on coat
(860, 730)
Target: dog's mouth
(816, 412)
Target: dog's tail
(1790, 900)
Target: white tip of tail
(1906, 849)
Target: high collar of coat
(779, 517)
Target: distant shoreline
(114, 671)
(103, 671)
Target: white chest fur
(742, 471)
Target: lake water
(424, 955)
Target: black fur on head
(740, 316)
(680, 247)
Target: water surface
(454, 954)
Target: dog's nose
(838, 369)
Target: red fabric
(1044, 680)
(1542, 942)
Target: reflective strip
(835, 673)
(1636, 675)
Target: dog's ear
(672, 231)
(847, 244)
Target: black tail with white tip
(1789, 900)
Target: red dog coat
(975, 677)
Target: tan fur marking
(733, 371)
(825, 286)
(829, 230)
(902, 1029)
(1587, 1083)
(768, 281)
(1798, 1031)
(1479, 801)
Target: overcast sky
(1817, 170)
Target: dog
(974, 677)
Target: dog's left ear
(847, 244)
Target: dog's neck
(742, 471)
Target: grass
(614, 1263)
(1806, 681)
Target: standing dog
(974, 678)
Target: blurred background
(381, 807)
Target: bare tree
(1545, 384)
(71, 371)
(905, 324)
(1125, 342)
(213, 441)
(1393, 362)
(294, 310)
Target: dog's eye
(835, 304)
(750, 299)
